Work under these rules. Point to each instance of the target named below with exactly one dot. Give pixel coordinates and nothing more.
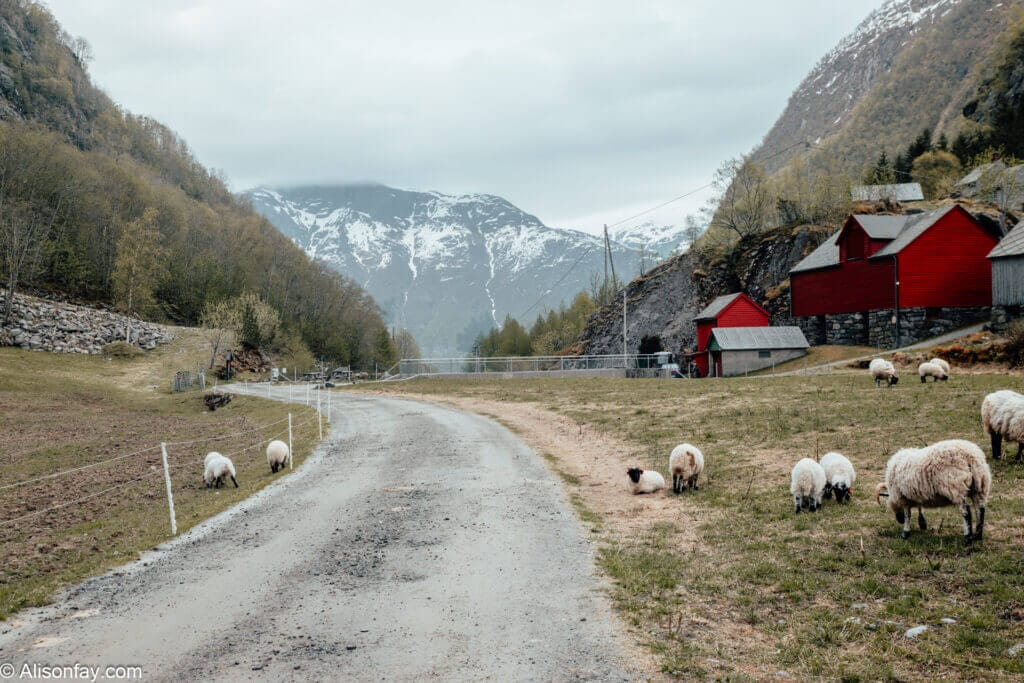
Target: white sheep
(686, 463)
(1002, 414)
(210, 456)
(839, 475)
(277, 455)
(929, 369)
(807, 485)
(883, 370)
(645, 481)
(950, 472)
(218, 470)
(941, 363)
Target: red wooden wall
(851, 287)
(948, 265)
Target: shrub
(121, 349)
(1015, 343)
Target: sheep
(645, 481)
(210, 456)
(882, 369)
(950, 472)
(686, 463)
(807, 485)
(941, 363)
(929, 369)
(217, 470)
(277, 455)
(1002, 414)
(839, 476)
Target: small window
(764, 354)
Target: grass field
(62, 412)
(736, 586)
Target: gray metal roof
(750, 338)
(824, 256)
(881, 227)
(717, 306)
(1011, 245)
(901, 192)
(916, 226)
(975, 175)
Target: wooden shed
(1008, 273)
(739, 350)
(730, 310)
(934, 259)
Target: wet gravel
(418, 543)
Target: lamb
(277, 455)
(950, 472)
(839, 476)
(217, 470)
(807, 485)
(882, 369)
(941, 363)
(929, 369)
(686, 463)
(645, 481)
(1002, 414)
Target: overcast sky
(579, 112)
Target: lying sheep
(645, 481)
(277, 455)
(686, 462)
(807, 485)
(946, 473)
(839, 476)
(882, 369)
(941, 363)
(218, 469)
(929, 369)
(1002, 414)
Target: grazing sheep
(210, 456)
(946, 473)
(1002, 414)
(807, 485)
(685, 463)
(929, 369)
(645, 481)
(839, 475)
(218, 470)
(882, 369)
(941, 363)
(277, 455)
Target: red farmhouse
(930, 267)
(731, 310)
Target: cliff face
(664, 302)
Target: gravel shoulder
(418, 542)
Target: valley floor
(727, 581)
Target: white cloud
(573, 110)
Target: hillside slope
(446, 267)
(99, 205)
(912, 64)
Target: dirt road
(418, 542)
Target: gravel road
(418, 542)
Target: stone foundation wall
(1002, 316)
(876, 328)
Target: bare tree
(745, 204)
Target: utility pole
(608, 251)
(624, 351)
(604, 283)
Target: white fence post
(170, 496)
(291, 453)
(307, 393)
(319, 416)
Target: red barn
(933, 261)
(731, 310)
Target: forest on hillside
(100, 205)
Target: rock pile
(43, 325)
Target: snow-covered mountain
(659, 241)
(445, 267)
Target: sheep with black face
(645, 481)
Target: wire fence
(40, 496)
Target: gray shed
(739, 350)
(1008, 270)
